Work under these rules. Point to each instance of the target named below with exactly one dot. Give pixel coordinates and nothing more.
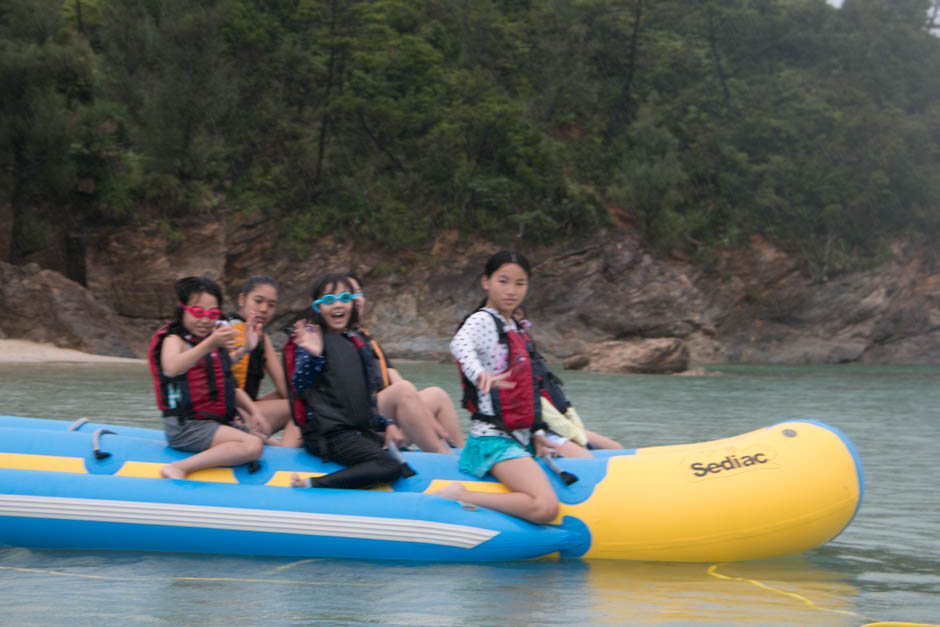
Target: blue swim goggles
(329, 299)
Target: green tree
(166, 68)
(46, 77)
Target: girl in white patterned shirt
(506, 427)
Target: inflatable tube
(782, 489)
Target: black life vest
(204, 392)
(249, 370)
(518, 407)
(343, 396)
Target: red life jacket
(204, 392)
(298, 409)
(518, 407)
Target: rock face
(661, 355)
(890, 315)
(607, 303)
(43, 306)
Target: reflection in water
(180, 589)
(782, 591)
(885, 566)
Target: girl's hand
(542, 446)
(252, 335)
(394, 434)
(441, 432)
(310, 339)
(255, 422)
(487, 381)
(223, 336)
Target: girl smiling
(334, 376)
(193, 382)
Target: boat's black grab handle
(99, 454)
(566, 477)
(406, 470)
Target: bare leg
(571, 449)
(600, 441)
(276, 414)
(531, 496)
(440, 405)
(401, 402)
(292, 436)
(229, 447)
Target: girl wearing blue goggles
(329, 299)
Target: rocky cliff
(607, 303)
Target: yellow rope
(713, 571)
(292, 565)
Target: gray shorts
(190, 435)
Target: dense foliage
(387, 120)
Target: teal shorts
(483, 452)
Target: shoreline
(28, 352)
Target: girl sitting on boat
(257, 302)
(502, 393)
(191, 369)
(334, 375)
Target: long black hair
(189, 286)
(327, 284)
(499, 260)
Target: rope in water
(713, 571)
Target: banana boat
(778, 490)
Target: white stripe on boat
(243, 519)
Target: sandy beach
(23, 351)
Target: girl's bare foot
(170, 471)
(297, 482)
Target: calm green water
(884, 567)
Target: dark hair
(255, 281)
(499, 260)
(503, 257)
(192, 285)
(328, 283)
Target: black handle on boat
(75, 426)
(566, 477)
(406, 470)
(99, 454)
